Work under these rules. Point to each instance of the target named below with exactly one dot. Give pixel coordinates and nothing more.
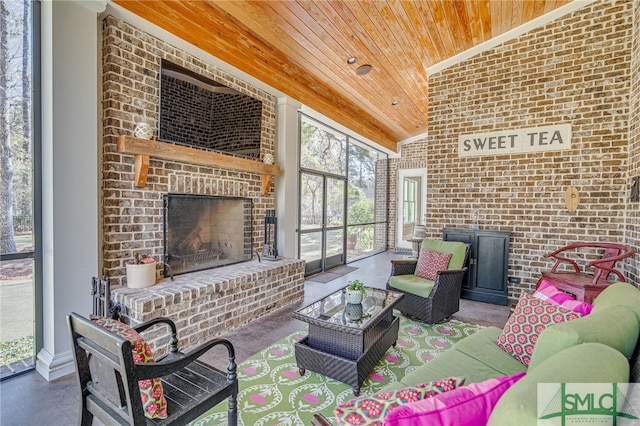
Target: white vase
(354, 297)
(141, 275)
(267, 159)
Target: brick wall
(228, 122)
(573, 70)
(633, 209)
(132, 217)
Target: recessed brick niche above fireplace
(204, 232)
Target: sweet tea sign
(530, 139)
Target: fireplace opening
(204, 232)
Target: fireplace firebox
(204, 232)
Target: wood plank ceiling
(301, 47)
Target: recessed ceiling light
(395, 102)
(363, 69)
(352, 60)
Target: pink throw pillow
(530, 317)
(430, 262)
(466, 406)
(152, 396)
(371, 410)
(547, 291)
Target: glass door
(323, 175)
(334, 219)
(322, 215)
(411, 204)
(311, 222)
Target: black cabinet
(486, 279)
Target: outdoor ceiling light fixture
(352, 60)
(363, 70)
(395, 102)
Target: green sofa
(569, 352)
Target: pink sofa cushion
(547, 291)
(466, 406)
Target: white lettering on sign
(532, 139)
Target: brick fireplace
(204, 232)
(205, 302)
(133, 216)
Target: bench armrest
(173, 343)
(177, 361)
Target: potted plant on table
(355, 292)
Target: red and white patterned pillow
(530, 317)
(151, 392)
(371, 410)
(430, 262)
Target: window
(409, 207)
(340, 177)
(18, 223)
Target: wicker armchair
(426, 300)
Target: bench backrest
(105, 369)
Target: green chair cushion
(422, 287)
(481, 346)
(456, 248)
(412, 284)
(587, 363)
(614, 326)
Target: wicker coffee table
(345, 341)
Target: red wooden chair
(582, 284)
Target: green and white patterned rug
(272, 392)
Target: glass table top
(333, 308)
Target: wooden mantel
(143, 149)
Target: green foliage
(16, 350)
(361, 212)
(357, 285)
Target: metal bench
(108, 377)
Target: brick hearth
(207, 303)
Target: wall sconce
(572, 198)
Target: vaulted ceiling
(301, 48)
